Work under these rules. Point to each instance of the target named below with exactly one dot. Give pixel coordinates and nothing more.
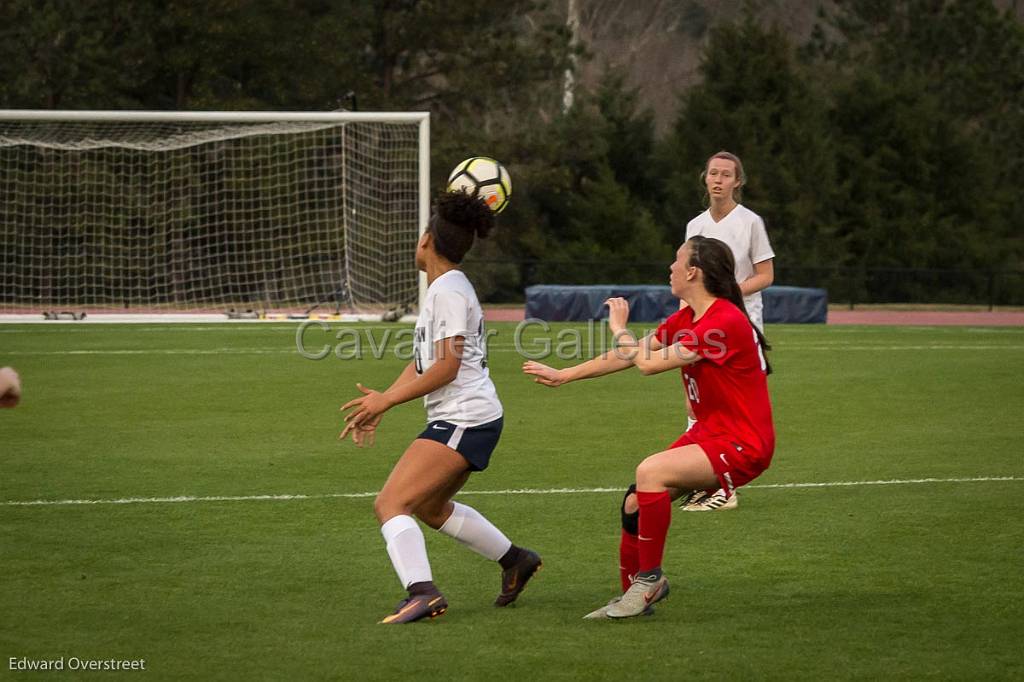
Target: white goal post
(266, 214)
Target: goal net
(204, 212)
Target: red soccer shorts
(735, 465)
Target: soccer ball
(483, 177)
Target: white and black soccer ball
(482, 176)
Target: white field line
(158, 351)
(527, 350)
(936, 346)
(510, 491)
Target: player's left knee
(386, 506)
(380, 507)
(631, 511)
(630, 505)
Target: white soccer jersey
(452, 309)
(744, 232)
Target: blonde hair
(741, 175)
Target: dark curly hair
(457, 218)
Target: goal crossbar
(216, 116)
(58, 250)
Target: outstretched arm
(370, 407)
(448, 360)
(608, 363)
(657, 360)
(620, 358)
(407, 375)
(649, 354)
(366, 432)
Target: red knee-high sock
(629, 560)
(655, 517)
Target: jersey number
(421, 336)
(691, 390)
(483, 343)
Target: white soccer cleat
(692, 498)
(640, 597)
(602, 613)
(716, 501)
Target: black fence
(503, 280)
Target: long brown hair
(715, 259)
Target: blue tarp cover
(649, 303)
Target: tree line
(892, 138)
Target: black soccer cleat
(514, 578)
(417, 608)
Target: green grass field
(911, 579)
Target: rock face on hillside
(658, 43)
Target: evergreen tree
(929, 119)
(756, 101)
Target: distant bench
(649, 303)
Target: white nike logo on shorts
(439, 428)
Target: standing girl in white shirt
(464, 421)
(743, 230)
(739, 227)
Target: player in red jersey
(724, 369)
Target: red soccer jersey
(728, 387)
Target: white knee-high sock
(469, 527)
(407, 549)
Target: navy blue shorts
(474, 443)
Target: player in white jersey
(739, 227)
(743, 230)
(464, 421)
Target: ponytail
(715, 259)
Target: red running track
(928, 318)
